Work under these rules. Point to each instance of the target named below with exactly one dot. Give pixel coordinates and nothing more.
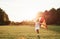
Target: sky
(19, 10)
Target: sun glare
(19, 10)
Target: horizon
(19, 10)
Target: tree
(4, 20)
(53, 15)
(58, 16)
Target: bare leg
(38, 36)
(37, 31)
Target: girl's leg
(37, 31)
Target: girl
(37, 26)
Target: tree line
(4, 19)
(52, 16)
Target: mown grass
(28, 32)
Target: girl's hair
(37, 20)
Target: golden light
(19, 10)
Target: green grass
(28, 32)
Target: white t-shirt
(37, 26)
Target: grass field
(28, 32)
